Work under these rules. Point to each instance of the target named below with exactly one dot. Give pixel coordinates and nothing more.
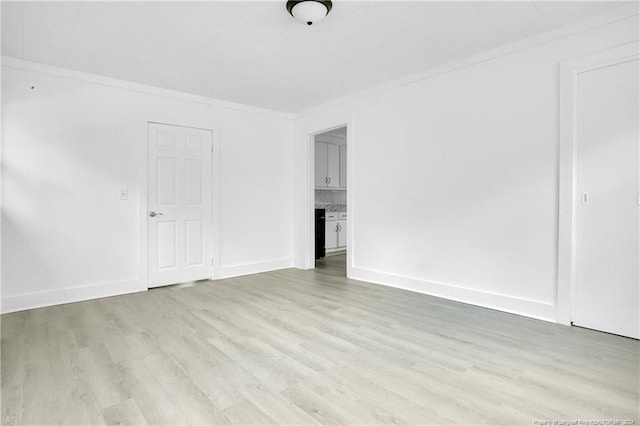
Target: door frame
(567, 167)
(309, 205)
(215, 196)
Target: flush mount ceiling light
(309, 11)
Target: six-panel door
(179, 204)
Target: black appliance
(320, 217)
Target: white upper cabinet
(327, 164)
(343, 167)
(321, 165)
(333, 166)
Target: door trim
(215, 196)
(567, 158)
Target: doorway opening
(330, 200)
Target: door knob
(154, 214)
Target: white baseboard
(515, 305)
(41, 299)
(298, 262)
(254, 268)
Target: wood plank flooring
(306, 347)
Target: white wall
(453, 175)
(75, 140)
(452, 186)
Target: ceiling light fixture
(309, 11)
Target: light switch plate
(124, 194)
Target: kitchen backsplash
(331, 200)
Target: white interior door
(179, 204)
(607, 294)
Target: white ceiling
(255, 53)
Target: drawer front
(343, 215)
(331, 216)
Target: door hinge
(212, 260)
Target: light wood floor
(305, 347)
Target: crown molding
(607, 18)
(15, 63)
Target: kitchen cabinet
(331, 235)
(335, 232)
(327, 165)
(321, 159)
(343, 167)
(333, 165)
(332, 216)
(342, 233)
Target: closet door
(607, 214)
